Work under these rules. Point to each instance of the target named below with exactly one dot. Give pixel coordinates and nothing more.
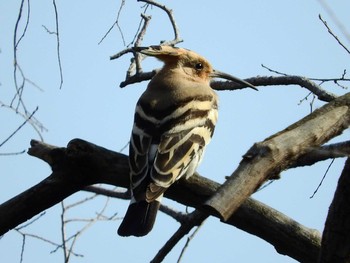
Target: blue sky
(236, 37)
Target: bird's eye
(198, 66)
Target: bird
(173, 123)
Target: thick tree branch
(336, 235)
(278, 152)
(83, 163)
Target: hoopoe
(174, 121)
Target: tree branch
(82, 164)
(278, 80)
(170, 14)
(196, 218)
(333, 35)
(278, 152)
(303, 82)
(322, 153)
(336, 235)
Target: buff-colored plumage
(174, 121)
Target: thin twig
(170, 14)
(121, 53)
(12, 153)
(342, 78)
(177, 215)
(335, 19)
(274, 71)
(124, 147)
(116, 23)
(58, 44)
(63, 233)
(140, 24)
(333, 35)
(19, 127)
(17, 104)
(138, 78)
(312, 103)
(125, 195)
(196, 218)
(31, 221)
(135, 65)
(22, 248)
(137, 56)
(188, 242)
(16, 42)
(324, 176)
(80, 202)
(36, 125)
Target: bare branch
(83, 163)
(170, 14)
(143, 30)
(121, 53)
(135, 70)
(322, 80)
(276, 153)
(135, 65)
(17, 104)
(138, 78)
(279, 80)
(323, 177)
(335, 19)
(58, 43)
(12, 153)
(80, 202)
(331, 151)
(125, 195)
(36, 125)
(336, 237)
(63, 233)
(333, 35)
(196, 218)
(177, 215)
(31, 221)
(188, 241)
(19, 127)
(116, 23)
(137, 56)
(304, 82)
(16, 40)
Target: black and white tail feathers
(139, 219)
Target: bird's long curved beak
(223, 75)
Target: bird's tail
(139, 219)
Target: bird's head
(194, 65)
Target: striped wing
(171, 145)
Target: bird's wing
(139, 157)
(178, 155)
(155, 167)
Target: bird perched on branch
(174, 121)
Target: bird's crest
(157, 51)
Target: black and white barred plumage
(174, 121)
